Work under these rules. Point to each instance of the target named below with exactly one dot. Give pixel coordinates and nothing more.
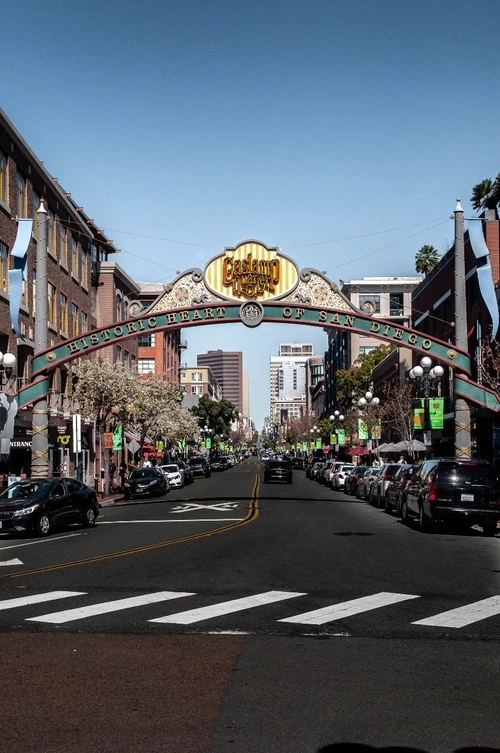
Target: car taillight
(432, 495)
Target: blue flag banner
(16, 275)
(483, 270)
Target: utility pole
(463, 443)
(40, 420)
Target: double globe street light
(426, 376)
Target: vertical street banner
(418, 414)
(118, 437)
(304, 446)
(341, 437)
(376, 429)
(436, 412)
(319, 443)
(333, 438)
(208, 443)
(362, 429)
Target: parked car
(218, 464)
(450, 489)
(297, 463)
(188, 473)
(396, 489)
(340, 474)
(199, 466)
(175, 475)
(317, 466)
(327, 472)
(380, 484)
(278, 470)
(39, 505)
(146, 482)
(351, 480)
(365, 482)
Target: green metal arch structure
(314, 300)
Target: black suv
(446, 489)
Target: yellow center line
(252, 514)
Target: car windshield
(196, 461)
(22, 489)
(143, 473)
(170, 468)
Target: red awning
(355, 451)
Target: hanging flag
(341, 436)
(376, 430)
(118, 437)
(418, 411)
(333, 438)
(362, 429)
(208, 443)
(436, 412)
(319, 443)
(304, 446)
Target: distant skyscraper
(288, 382)
(227, 367)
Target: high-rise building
(288, 398)
(227, 367)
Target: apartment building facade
(227, 368)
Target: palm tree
(426, 259)
(486, 195)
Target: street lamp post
(463, 439)
(366, 405)
(336, 418)
(206, 433)
(314, 433)
(427, 376)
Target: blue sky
(341, 131)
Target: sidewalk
(110, 499)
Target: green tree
(486, 195)
(218, 415)
(351, 384)
(426, 259)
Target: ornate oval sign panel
(251, 271)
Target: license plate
(467, 498)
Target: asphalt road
(233, 616)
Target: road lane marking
(11, 562)
(251, 516)
(41, 541)
(227, 607)
(22, 601)
(348, 608)
(187, 520)
(466, 615)
(106, 607)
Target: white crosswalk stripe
(23, 601)
(466, 615)
(227, 607)
(459, 617)
(348, 608)
(108, 606)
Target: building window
(3, 177)
(63, 306)
(84, 267)
(21, 195)
(84, 322)
(196, 389)
(396, 304)
(74, 257)
(196, 376)
(146, 365)
(74, 320)
(119, 353)
(35, 202)
(366, 349)
(52, 305)
(51, 231)
(118, 307)
(146, 340)
(370, 303)
(63, 245)
(4, 266)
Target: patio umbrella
(413, 445)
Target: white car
(174, 474)
(341, 472)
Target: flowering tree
(100, 389)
